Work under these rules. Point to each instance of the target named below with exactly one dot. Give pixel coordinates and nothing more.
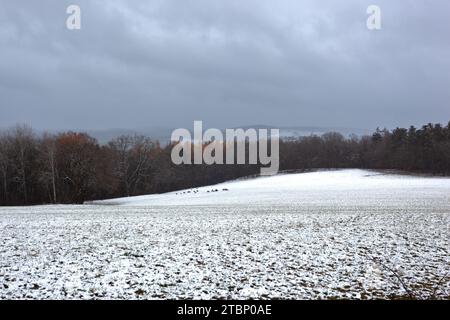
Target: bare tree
(77, 163)
(134, 155)
(4, 165)
(48, 158)
(22, 140)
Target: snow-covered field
(330, 234)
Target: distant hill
(163, 134)
(307, 131)
(300, 131)
(104, 136)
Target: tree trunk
(52, 164)
(24, 178)
(5, 186)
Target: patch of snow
(321, 188)
(334, 234)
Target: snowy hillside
(320, 235)
(322, 187)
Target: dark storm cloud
(229, 63)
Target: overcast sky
(140, 64)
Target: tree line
(72, 167)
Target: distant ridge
(163, 134)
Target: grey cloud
(229, 63)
